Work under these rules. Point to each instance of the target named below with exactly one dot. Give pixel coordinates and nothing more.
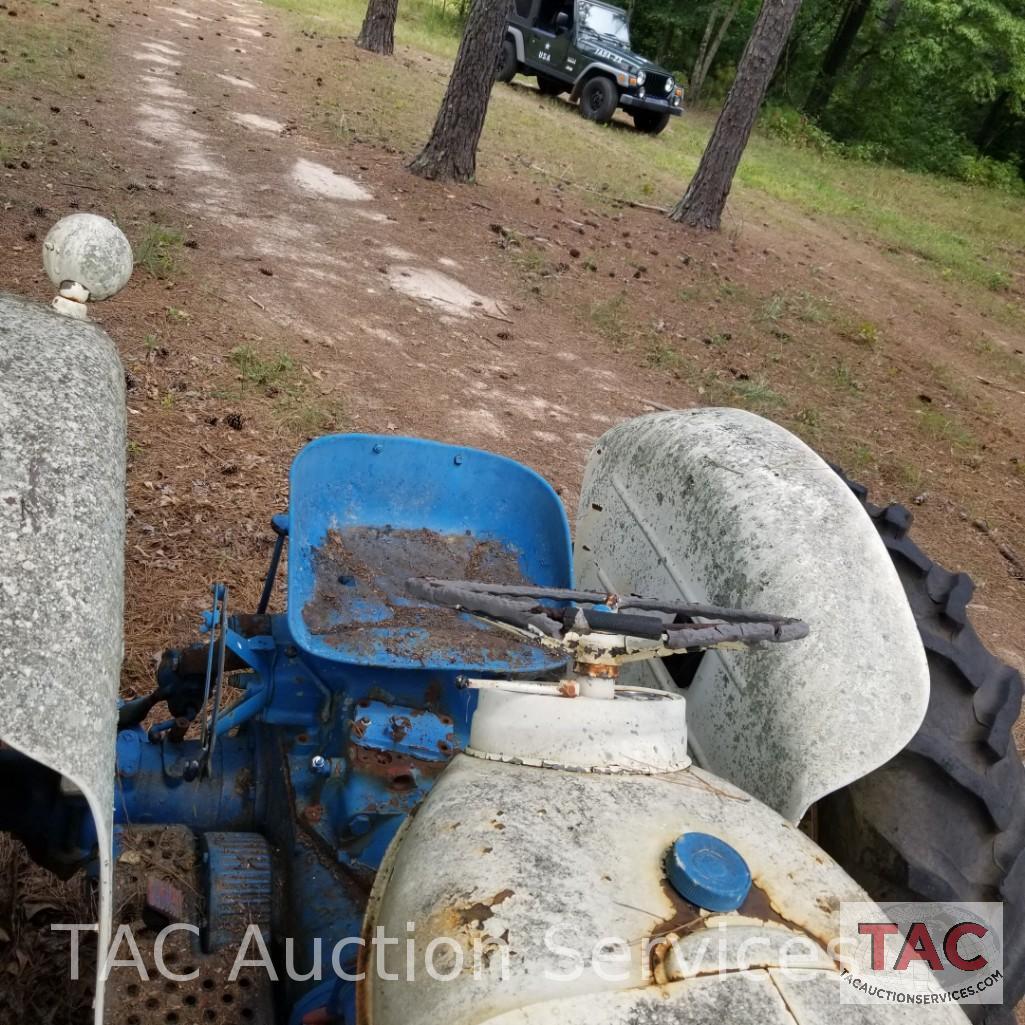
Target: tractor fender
(723, 506)
(62, 502)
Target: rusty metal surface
(500, 855)
(163, 861)
(363, 603)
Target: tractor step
(158, 880)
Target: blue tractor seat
(368, 512)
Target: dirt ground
(321, 287)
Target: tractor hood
(62, 500)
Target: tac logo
(921, 953)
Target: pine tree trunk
(451, 151)
(378, 31)
(702, 204)
(836, 56)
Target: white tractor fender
(723, 506)
(62, 500)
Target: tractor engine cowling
(529, 894)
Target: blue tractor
(460, 768)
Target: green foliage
(257, 369)
(792, 127)
(995, 174)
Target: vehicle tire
(508, 65)
(650, 121)
(548, 86)
(599, 98)
(945, 818)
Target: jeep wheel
(650, 121)
(599, 99)
(945, 819)
(507, 65)
(548, 86)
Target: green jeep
(583, 48)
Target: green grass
(961, 232)
(756, 394)
(160, 251)
(57, 52)
(262, 371)
(937, 424)
(611, 320)
(308, 416)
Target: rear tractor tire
(599, 98)
(508, 65)
(650, 121)
(945, 818)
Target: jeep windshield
(610, 22)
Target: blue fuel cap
(708, 872)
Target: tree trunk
(702, 204)
(709, 48)
(990, 129)
(451, 151)
(889, 23)
(666, 45)
(836, 56)
(694, 89)
(378, 31)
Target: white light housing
(641, 76)
(670, 84)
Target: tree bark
(888, 24)
(990, 128)
(836, 56)
(451, 151)
(702, 204)
(709, 48)
(378, 31)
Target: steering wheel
(598, 628)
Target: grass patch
(844, 379)
(610, 318)
(262, 371)
(802, 306)
(756, 393)
(309, 416)
(936, 424)
(46, 47)
(160, 251)
(661, 354)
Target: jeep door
(547, 42)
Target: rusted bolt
(313, 813)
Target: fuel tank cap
(708, 872)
